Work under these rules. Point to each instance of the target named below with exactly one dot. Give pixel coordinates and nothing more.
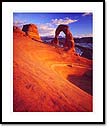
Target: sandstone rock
(31, 30)
(69, 42)
(18, 30)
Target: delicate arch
(69, 41)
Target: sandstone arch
(69, 41)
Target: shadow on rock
(84, 82)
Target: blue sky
(80, 24)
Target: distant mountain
(77, 40)
(84, 40)
(45, 38)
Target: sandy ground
(46, 79)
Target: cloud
(83, 35)
(19, 23)
(63, 21)
(46, 29)
(87, 13)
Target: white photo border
(8, 8)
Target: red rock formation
(31, 30)
(46, 81)
(69, 42)
(18, 30)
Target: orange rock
(31, 30)
(18, 30)
(69, 42)
(46, 81)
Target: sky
(80, 24)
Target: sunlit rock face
(69, 41)
(31, 30)
(46, 79)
